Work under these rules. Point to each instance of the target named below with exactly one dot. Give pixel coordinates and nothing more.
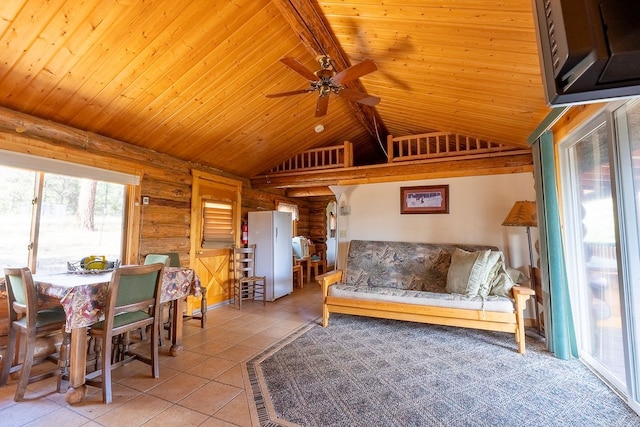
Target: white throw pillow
(495, 261)
(467, 271)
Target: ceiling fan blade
(322, 105)
(362, 98)
(355, 71)
(293, 92)
(296, 66)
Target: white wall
(477, 207)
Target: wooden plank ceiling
(189, 78)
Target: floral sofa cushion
(401, 265)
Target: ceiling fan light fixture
(326, 80)
(319, 128)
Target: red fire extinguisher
(245, 234)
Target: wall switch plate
(145, 200)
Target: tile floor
(204, 386)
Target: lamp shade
(522, 214)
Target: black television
(589, 49)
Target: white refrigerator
(270, 231)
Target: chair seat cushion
(124, 319)
(45, 318)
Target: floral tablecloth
(83, 295)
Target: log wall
(254, 200)
(318, 218)
(165, 222)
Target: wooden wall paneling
(167, 190)
(303, 223)
(165, 221)
(189, 79)
(165, 244)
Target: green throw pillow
(467, 271)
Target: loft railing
(436, 145)
(337, 156)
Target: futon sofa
(446, 284)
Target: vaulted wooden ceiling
(189, 77)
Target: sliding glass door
(601, 180)
(627, 155)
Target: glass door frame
(626, 220)
(628, 228)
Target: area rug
(374, 372)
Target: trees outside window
(47, 219)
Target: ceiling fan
(326, 80)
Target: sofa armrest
(522, 290)
(521, 295)
(327, 279)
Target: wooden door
(212, 263)
(214, 272)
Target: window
(53, 212)
(49, 219)
(295, 216)
(289, 207)
(217, 224)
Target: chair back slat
(134, 288)
(174, 259)
(155, 258)
(244, 260)
(21, 293)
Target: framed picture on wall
(428, 199)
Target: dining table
(83, 297)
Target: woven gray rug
(374, 372)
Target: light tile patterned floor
(204, 386)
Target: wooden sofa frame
(476, 319)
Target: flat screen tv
(589, 49)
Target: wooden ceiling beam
(308, 22)
(514, 162)
(309, 192)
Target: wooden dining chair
(174, 261)
(246, 284)
(155, 258)
(166, 260)
(25, 320)
(133, 303)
